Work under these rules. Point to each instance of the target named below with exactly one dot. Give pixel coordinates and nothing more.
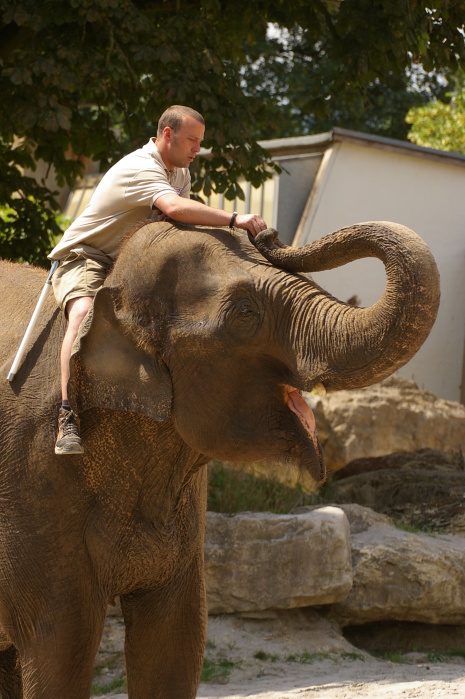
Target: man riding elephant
(152, 182)
(195, 348)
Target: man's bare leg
(76, 310)
(69, 441)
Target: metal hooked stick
(20, 353)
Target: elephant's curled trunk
(360, 346)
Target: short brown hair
(173, 117)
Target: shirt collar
(152, 148)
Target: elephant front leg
(57, 654)
(165, 639)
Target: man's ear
(109, 371)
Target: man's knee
(77, 309)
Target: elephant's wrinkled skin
(192, 351)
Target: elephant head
(219, 333)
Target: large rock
(258, 561)
(401, 576)
(424, 488)
(391, 416)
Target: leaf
(16, 14)
(20, 75)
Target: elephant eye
(243, 317)
(245, 309)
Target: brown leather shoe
(68, 440)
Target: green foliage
(28, 224)
(89, 78)
(102, 689)
(317, 96)
(352, 656)
(394, 656)
(412, 528)
(232, 491)
(440, 124)
(265, 657)
(306, 658)
(217, 670)
(445, 655)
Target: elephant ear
(108, 370)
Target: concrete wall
(295, 182)
(363, 182)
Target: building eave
(406, 147)
(299, 145)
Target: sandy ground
(299, 654)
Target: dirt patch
(300, 654)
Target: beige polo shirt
(125, 195)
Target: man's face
(184, 145)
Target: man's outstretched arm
(191, 211)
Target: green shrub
(231, 490)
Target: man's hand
(250, 222)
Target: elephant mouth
(313, 461)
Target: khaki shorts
(78, 274)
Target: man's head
(179, 135)
(174, 116)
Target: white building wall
(366, 183)
(298, 173)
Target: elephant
(197, 346)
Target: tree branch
(329, 20)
